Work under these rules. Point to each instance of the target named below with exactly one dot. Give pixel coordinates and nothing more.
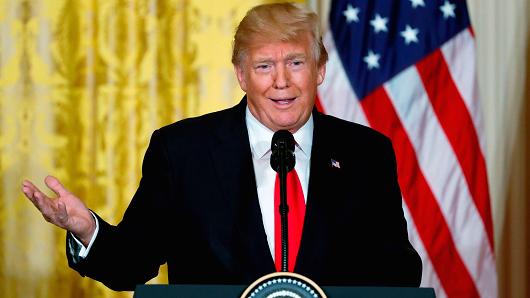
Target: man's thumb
(55, 185)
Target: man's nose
(281, 80)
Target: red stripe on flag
(318, 105)
(472, 31)
(424, 209)
(457, 124)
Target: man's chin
(291, 126)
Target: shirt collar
(260, 136)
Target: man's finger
(31, 197)
(27, 184)
(62, 214)
(55, 185)
(28, 192)
(43, 203)
(39, 199)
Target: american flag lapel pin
(335, 164)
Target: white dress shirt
(260, 138)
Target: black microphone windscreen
(282, 137)
(282, 147)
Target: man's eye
(262, 66)
(297, 63)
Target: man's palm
(66, 211)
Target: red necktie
(296, 203)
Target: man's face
(281, 79)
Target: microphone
(282, 161)
(282, 147)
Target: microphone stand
(284, 208)
(283, 161)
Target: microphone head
(282, 147)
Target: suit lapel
(232, 159)
(316, 228)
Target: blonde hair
(278, 22)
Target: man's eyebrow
(263, 60)
(287, 57)
(295, 56)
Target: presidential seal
(283, 285)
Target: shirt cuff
(83, 251)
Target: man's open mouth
(283, 100)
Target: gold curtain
(83, 83)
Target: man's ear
(321, 73)
(241, 77)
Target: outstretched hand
(66, 211)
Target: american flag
(407, 69)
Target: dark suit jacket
(197, 209)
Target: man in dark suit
(205, 201)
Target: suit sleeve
(131, 253)
(396, 261)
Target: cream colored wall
(502, 31)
